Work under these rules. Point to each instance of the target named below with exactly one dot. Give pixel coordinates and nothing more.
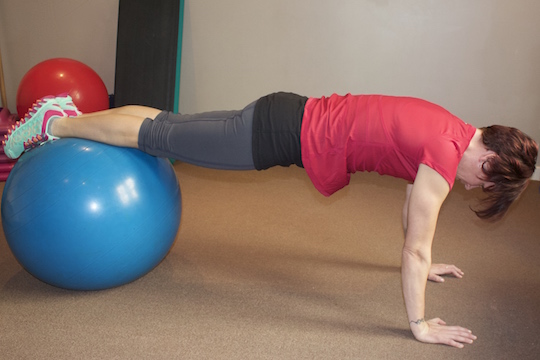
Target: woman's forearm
(414, 273)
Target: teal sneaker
(66, 103)
(33, 129)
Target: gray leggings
(219, 139)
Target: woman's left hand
(437, 270)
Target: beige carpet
(266, 268)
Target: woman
(331, 138)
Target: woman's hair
(510, 170)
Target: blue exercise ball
(83, 215)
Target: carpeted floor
(266, 268)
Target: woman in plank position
(331, 138)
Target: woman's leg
(119, 126)
(46, 121)
(219, 139)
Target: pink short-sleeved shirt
(390, 135)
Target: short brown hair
(510, 170)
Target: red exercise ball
(60, 76)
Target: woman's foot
(33, 129)
(66, 103)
